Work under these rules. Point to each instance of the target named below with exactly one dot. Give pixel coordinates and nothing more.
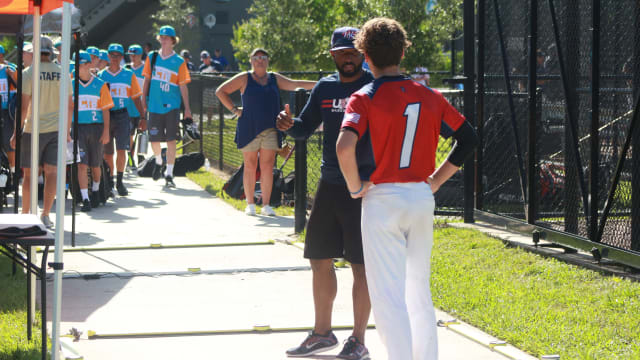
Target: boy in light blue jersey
(137, 120)
(125, 91)
(94, 102)
(7, 89)
(104, 59)
(94, 52)
(167, 89)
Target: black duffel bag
(188, 163)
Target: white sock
(159, 160)
(13, 170)
(95, 186)
(85, 194)
(169, 171)
(40, 179)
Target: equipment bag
(188, 163)
(234, 187)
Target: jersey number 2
(411, 113)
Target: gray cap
(46, 46)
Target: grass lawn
(540, 305)
(13, 317)
(213, 185)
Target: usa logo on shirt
(336, 105)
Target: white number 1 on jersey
(412, 113)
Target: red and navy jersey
(403, 121)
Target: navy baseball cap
(84, 57)
(342, 38)
(167, 31)
(115, 48)
(135, 49)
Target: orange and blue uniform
(168, 75)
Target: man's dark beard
(356, 69)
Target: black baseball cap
(342, 38)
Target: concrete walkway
(241, 272)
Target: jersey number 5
(411, 113)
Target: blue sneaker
(313, 344)
(353, 350)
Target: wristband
(356, 192)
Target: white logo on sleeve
(352, 117)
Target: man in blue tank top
(333, 230)
(256, 134)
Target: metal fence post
(301, 172)
(531, 200)
(480, 104)
(635, 161)
(595, 122)
(220, 137)
(452, 84)
(469, 103)
(202, 116)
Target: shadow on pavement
(82, 239)
(275, 221)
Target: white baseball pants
(397, 236)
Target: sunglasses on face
(259, 57)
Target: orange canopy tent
(23, 7)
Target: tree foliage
(177, 13)
(297, 33)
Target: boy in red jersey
(401, 120)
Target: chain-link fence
(579, 143)
(218, 128)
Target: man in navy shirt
(218, 57)
(333, 230)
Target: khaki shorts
(268, 139)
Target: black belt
(118, 111)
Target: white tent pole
(61, 179)
(35, 131)
(35, 110)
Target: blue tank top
(260, 107)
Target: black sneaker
(353, 350)
(86, 206)
(313, 344)
(94, 199)
(122, 191)
(157, 172)
(169, 182)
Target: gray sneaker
(46, 221)
(313, 344)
